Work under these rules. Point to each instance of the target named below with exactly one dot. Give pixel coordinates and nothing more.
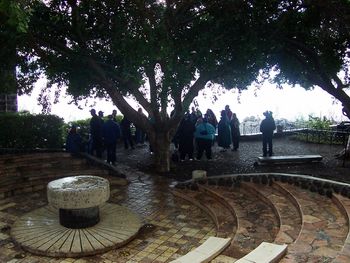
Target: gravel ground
(243, 160)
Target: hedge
(26, 131)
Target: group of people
(104, 134)
(200, 131)
(196, 131)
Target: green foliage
(318, 130)
(14, 19)
(318, 123)
(26, 131)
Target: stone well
(77, 220)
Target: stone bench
(265, 253)
(290, 159)
(78, 199)
(212, 247)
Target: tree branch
(119, 100)
(153, 90)
(194, 89)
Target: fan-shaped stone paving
(256, 220)
(324, 228)
(286, 207)
(225, 220)
(310, 215)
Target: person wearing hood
(267, 127)
(204, 134)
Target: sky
(289, 103)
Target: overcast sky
(289, 103)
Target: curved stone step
(224, 220)
(257, 221)
(344, 204)
(287, 210)
(324, 227)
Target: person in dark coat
(193, 115)
(126, 132)
(73, 141)
(211, 118)
(111, 133)
(235, 133)
(228, 112)
(96, 134)
(139, 133)
(185, 135)
(114, 115)
(267, 127)
(224, 132)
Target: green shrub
(319, 123)
(27, 131)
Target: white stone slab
(212, 247)
(265, 253)
(199, 174)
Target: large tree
(311, 46)
(160, 52)
(305, 42)
(164, 52)
(14, 18)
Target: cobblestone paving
(242, 161)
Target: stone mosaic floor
(172, 226)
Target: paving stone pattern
(174, 226)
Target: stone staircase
(308, 214)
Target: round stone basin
(77, 192)
(78, 199)
(77, 222)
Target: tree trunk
(160, 143)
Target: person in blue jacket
(204, 134)
(111, 133)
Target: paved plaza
(176, 221)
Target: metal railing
(323, 136)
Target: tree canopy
(164, 52)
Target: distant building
(8, 103)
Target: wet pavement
(243, 160)
(174, 226)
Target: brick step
(39, 163)
(9, 159)
(224, 220)
(286, 208)
(27, 175)
(257, 221)
(324, 228)
(40, 181)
